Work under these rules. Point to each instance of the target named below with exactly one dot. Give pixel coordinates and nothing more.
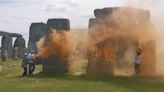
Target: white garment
(137, 59)
(30, 58)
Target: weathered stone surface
(58, 24)
(98, 13)
(93, 22)
(37, 31)
(148, 61)
(55, 65)
(7, 45)
(138, 13)
(2, 33)
(19, 47)
(101, 59)
(99, 56)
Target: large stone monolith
(7, 46)
(19, 47)
(121, 50)
(37, 31)
(54, 64)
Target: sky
(17, 15)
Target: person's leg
(138, 68)
(30, 69)
(33, 68)
(25, 71)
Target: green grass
(10, 81)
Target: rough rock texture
(7, 45)
(19, 47)
(97, 57)
(140, 13)
(58, 24)
(101, 59)
(54, 64)
(37, 31)
(98, 13)
(7, 42)
(93, 22)
(2, 33)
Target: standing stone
(19, 47)
(123, 46)
(37, 31)
(102, 57)
(7, 45)
(93, 22)
(98, 13)
(54, 64)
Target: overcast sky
(17, 15)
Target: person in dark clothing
(24, 64)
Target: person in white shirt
(137, 61)
(31, 62)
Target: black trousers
(31, 68)
(137, 68)
(25, 71)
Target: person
(24, 64)
(31, 62)
(137, 61)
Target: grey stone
(140, 13)
(93, 22)
(7, 45)
(19, 47)
(37, 31)
(3, 33)
(58, 24)
(120, 47)
(98, 13)
(55, 65)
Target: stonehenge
(97, 58)
(39, 30)
(53, 64)
(7, 47)
(19, 47)
(107, 54)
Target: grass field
(10, 81)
